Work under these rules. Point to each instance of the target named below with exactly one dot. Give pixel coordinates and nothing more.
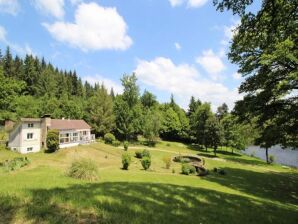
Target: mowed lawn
(250, 192)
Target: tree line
(31, 87)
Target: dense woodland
(31, 87)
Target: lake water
(287, 157)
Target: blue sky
(174, 46)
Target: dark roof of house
(68, 124)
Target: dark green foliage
(148, 100)
(109, 138)
(213, 133)
(125, 145)
(116, 143)
(53, 140)
(15, 164)
(126, 160)
(187, 169)
(146, 153)
(139, 154)
(84, 169)
(265, 49)
(146, 162)
(100, 112)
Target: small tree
(125, 145)
(53, 140)
(146, 162)
(126, 160)
(109, 138)
(213, 133)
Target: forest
(32, 87)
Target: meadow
(251, 191)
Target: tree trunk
(267, 159)
(215, 150)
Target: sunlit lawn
(250, 192)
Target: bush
(109, 138)
(177, 159)
(83, 169)
(187, 169)
(173, 170)
(139, 154)
(125, 145)
(116, 143)
(126, 160)
(222, 172)
(146, 162)
(271, 158)
(15, 164)
(146, 153)
(167, 160)
(53, 140)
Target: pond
(287, 156)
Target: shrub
(146, 153)
(109, 138)
(84, 169)
(271, 158)
(125, 145)
(215, 169)
(15, 164)
(126, 160)
(222, 172)
(167, 160)
(146, 162)
(168, 144)
(139, 154)
(116, 143)
(53, 140)
(187, 169)
(173, 170)
(177, 159)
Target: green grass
(250, 192)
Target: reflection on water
(282, 156)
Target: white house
(29, 135)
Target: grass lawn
(250, 192)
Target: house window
(84, 132)
(75, 137)
(30, 149)
(30, 125)
(64, 138)
(29, 135)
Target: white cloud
(236, 76)
(52, 7)
(196, 3)
(108, 83)
(175, 3)
(95, 28)
(177, 46)
(190, 3)
(211, 62)
(9, 6)
(19, 49)
(183, 81)
(229, 32)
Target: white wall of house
(29, 144)
(26, 138)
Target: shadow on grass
(125, 202)
(281, 187)
(247, 161)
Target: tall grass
(84, 169)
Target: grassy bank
(250, 192)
